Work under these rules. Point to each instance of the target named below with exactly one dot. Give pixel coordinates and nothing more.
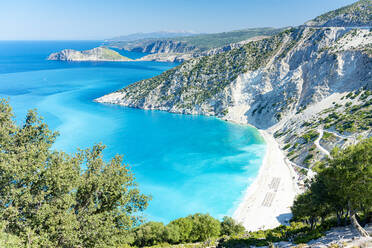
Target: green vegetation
(110, 54)
(8, 240)
(202, 79)
(297, 232)
(51, 199)
(355, 118)
(328, 136)
(342, 188)
(208, 41)
(47, 199)
(203, 42)
(287, 146)
(308, 159)
(310, 136)
(359, 13)
(193, 228)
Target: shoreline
(266, 202)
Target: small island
(95, 54)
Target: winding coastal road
(316, 142)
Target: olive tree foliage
(184, 226)
(193, 228)
(342, 187)
(8, 240)
(52, 199)
(149, 234)
(230, 227)
(204, 227)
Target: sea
(188, 164)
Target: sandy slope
(266, 203)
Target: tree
(307, 208)
(343, 185)
(204, 227)
(351, 172)
(53, 199)
(325, 193)
(230, 227)
(8, 240)
(149, 234)
(184, 225)
(172, 233)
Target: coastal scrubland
(51, 199)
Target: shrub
(204, 227)
(310, 136)
(184, 225)
(286, 146)
(230, 227)
(150, 233)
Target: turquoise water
(187, 163)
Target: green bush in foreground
(51, 199)
(193, 228)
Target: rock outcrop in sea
(95, 54)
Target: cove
(188, 164)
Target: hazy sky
(100, 19)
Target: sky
(102, 19)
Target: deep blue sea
(187, 164)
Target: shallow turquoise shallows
(187, 164)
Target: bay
(188, 164)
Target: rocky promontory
(95, 54)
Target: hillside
(201, 42)
(187, 47)
(286, 84)
(153, 35)
(95, 54)
(354, 15)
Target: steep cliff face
(311, 87)
(316, 65)
(95, 54)
(159, 46)
(179, 49)
(261, 81)
(269, 83)
(172, 56)
(198, 86)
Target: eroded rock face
(95, 54)
(160, 46)
(278, 83)
(307, 65)
(170, 51)
(316, 67)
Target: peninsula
(95, 54)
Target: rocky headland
(95, 54)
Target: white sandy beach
(266, 203)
